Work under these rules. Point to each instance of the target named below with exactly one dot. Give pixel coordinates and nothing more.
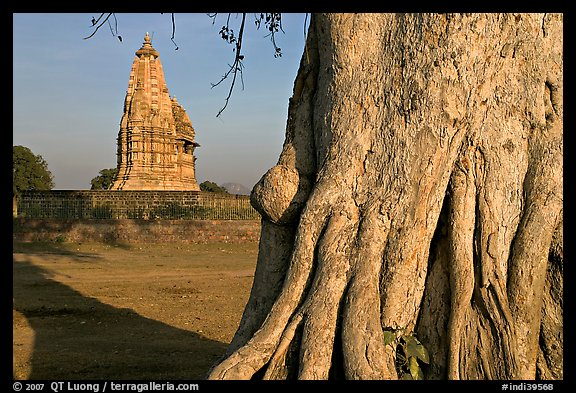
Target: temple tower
(156, 138)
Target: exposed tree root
(270, 273)
(282, 364)
(461, 234)
(251, 357)
(365, 356)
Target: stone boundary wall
(135, 231)
(115, 204)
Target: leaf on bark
(415, 349)
(389, 337)
(407, 377)
(415, 371)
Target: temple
(156, 138)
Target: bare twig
(237, 66)
(273, 22)
(173, 31)
(98, 26)
(306, 39)
(115, 28)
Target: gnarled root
(248, 359)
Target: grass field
(138, 311)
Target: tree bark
(419, 192)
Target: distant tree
(29, 171)
(209, 186)
(104, 180)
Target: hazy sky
(69, 92)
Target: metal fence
(199, 206)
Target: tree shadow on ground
(79, 337)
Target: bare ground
(138, 311)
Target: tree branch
(227, 34)
(98, 24)
(273, 22)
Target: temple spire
(147, 49)
(156, 138)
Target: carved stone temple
(156, 138)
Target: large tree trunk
(418, 193)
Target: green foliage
(29, 171)
(104, 180)
(209, 186)
(389, 337)
(410, 353)
(415, 349)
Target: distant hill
(236, 188)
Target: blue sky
(68, 93)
